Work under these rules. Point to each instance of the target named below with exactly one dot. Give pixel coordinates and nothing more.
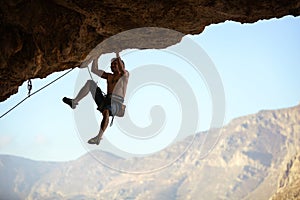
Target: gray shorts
(104, 101)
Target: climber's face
(114, 66)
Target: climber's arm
(97, 71)
(121, 64)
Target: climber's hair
(113, 59)
(120, 68)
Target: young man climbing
(112, 103)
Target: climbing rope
(93, 79)
(29, 87)
(90, 73)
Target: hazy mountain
(289, 181)
(18, 175)
(257, 157)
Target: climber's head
(115, 67)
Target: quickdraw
(29, 86)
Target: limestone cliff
(40, 37)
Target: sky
(258, 65)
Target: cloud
(40, 139)
(5, 140)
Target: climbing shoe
(69, 102)
(95, 140)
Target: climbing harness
(29, 87)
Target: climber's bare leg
(103, 126)
(83, 92)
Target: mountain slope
(289, 182)
(249, 162)
(18, 175)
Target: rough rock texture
(289, 183)
(40, 37)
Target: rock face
(289, 183)
(255, 155)
(40, 37)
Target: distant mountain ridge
(257, 157)
(18, 175)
